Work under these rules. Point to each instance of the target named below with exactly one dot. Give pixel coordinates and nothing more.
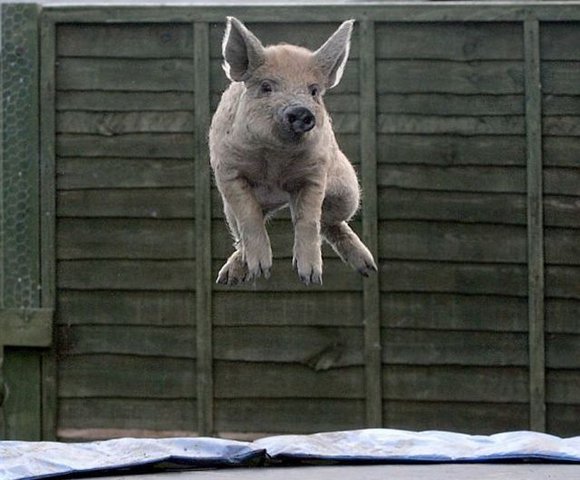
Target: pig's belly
(270, 198)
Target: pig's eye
(266, 87)
(314, 90)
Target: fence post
(48, 213)
(535, 224)
(203, 281)
(371, 293)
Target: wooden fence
(463, 121)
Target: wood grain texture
(125, 41)
(109, 307)
(473, 384)
(132, 413)
(415, 12)
(562, 282)
(234, 309)
(471, 78)
(478, 418)
(111, 123)
(560, 77)
(453, 178)
(451, 125)
(203, 245)
(125, 239)
(562, 419)
(452, 242)
(269, 380)
(535, 243)
(121, 376)
(22, 409)
(289, 415)
(162, 203)
(458, 278)
(136, 340)
(462, 313)
(108, 173)
(371, 289)
(440, 146)
(47, 224)
(449, 41)
(163, 275)
(447, 104)
(557, 41)
(561, 315)
(319, 348)
(453, 150)
(148, 145)
(463, 207)
(130, 74)
(110, 101)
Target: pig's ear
(331, 57)
(242, 51)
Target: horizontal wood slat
(107, 307)
(466, 41)
(108, 173)
(163, 415)
(130, 41)
(304, 415)
(125, 239)
(476, 418)
(140, 341)
(432, 76)
(458, 278)
(122, 376)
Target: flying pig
(272, 146)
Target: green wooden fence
(463, 123)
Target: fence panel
(434, 111)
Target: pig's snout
(299, 119)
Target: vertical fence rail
(48, 213)
(371, 299)
(535, 224)
(203, 282)
(2, 388)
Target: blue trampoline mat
(37, 460)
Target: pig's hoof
(258, 263)
(361, 259)
(257, 272)
(309, 273)
(234, 270)
(365, 264)
(366, 269)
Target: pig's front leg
(254, 243)
(306, 207)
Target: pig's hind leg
(340, 204)
(349, 247)
(234, 271)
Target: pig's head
(284, 84)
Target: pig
(272, 146)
